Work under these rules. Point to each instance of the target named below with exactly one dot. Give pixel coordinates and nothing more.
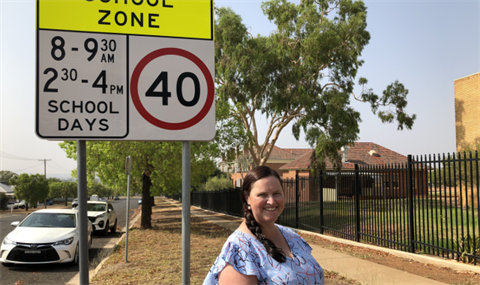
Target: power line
(15, 171)
(12, 156)
(58, 165)
(54, 164)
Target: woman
(259, 251)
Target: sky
(425, 45)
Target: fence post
(320, 198)
(357, 203)
(297, 194)
(410, 204)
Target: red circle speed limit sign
(189, 92)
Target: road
(62, 273)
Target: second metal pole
(128, 168)
(82, 210)
(185, 213)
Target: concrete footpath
(362, 271)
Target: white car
(44, 236)
(16, 205)
(103, 216)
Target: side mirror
(109, 210)
(14, 224)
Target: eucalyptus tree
(5, 175)
(303, 73)
(156, 167)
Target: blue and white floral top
(248, 256)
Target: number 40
(163, 79)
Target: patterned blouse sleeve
(240, 253)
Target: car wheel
(114, 228)
(105, 231)
(76, 257)
(7, 264)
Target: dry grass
(155, 255)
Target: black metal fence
(428, 204)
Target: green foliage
(5, 176)
(3, 201)
(303, 73)
(468, 246)
(106, 160)
(216, 183)
(99, 189)
(62, 189)
(31, 188)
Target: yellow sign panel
(168, 18)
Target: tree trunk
(66, 198)
(146, 220)
(153, 201)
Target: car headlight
(6, 240)
(64, 242)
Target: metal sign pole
(128, 166)
(82, 210)
(186, 212)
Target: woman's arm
(230, 276)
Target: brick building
(377, 184)
(292, 162)
(467, 110)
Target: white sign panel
(82, 86)
(172, 88)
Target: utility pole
(45, 174)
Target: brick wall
(467, 110)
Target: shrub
(3, 201)
(216, 183)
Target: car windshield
(49, 220)
(96, 207)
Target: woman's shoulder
(287, 232)
(294, 240)
(243, 253)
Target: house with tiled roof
(361, 153)
(292, 164)
(374, 183)
(278, 157)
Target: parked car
(103, 216)
(103, 199)
(75, 203)
(44, 236)
(116, 198)
(140, 201)
(16, 205)
(94, 197)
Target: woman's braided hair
(253, 176)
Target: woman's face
(266, 200)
